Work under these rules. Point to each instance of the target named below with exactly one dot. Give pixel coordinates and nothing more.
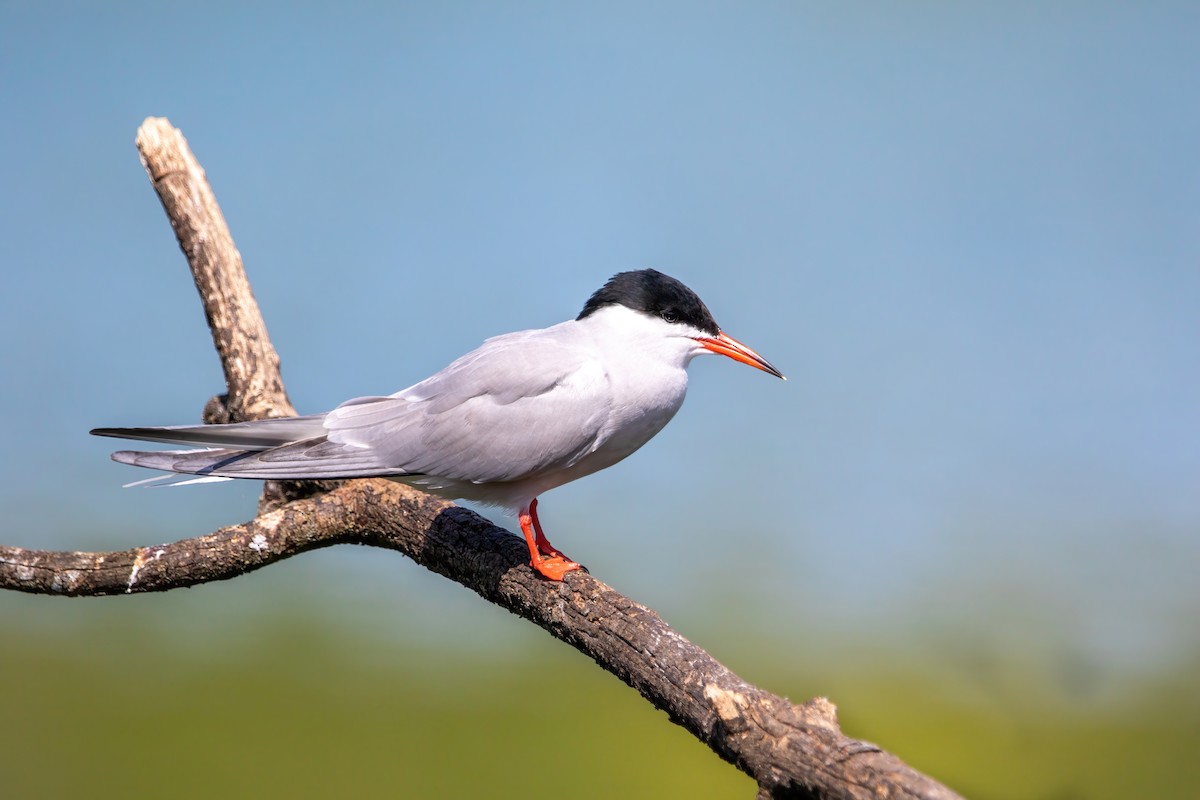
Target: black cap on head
(651, 292)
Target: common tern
(524, 413)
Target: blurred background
(968, 233)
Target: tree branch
(790, 750)
(239, 333)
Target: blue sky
(969, 234)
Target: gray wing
(314, 459)
(289, 447)
(522, 404)
(258, 435)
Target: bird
(524, 413)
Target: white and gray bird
(525, 413)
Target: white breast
(634, 374)
(645, 377)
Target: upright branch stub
(255, 386)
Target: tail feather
(291, 448)
(313, 459)
(174, 479)
(188, 462)
(257, 435)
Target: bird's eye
(670, 316)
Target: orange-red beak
(726, 345)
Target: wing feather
(520, 405)
(314, 459)
(256, 435)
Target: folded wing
(520, 405)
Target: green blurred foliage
(182, 695)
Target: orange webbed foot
(555, 567)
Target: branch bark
(255, 385)
(790, 750)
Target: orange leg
(543, 544)
(550, 563)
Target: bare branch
(787, 748)
(790, 750)
(239, 333)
